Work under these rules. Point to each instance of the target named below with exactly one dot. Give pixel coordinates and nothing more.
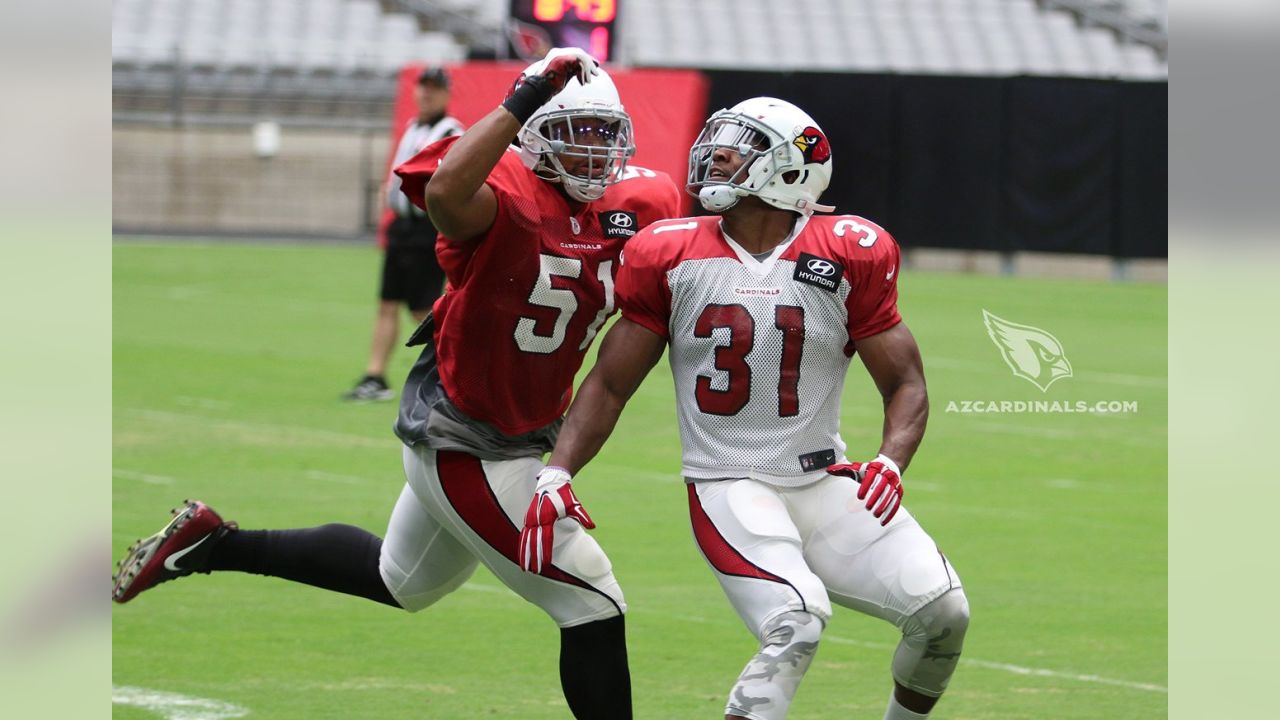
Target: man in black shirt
(410, 273)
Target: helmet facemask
(584, 149)
(750, 140)
(775, 167)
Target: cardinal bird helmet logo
(1029, 351)
(813, 145)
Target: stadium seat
(1102, 45)
(361, 36)
(1142, 63)
(1068, 45)
(933, 44)
(1035, 56)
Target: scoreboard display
(586, 24)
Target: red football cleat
(180, 549)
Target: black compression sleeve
(336, 557)
(533, 93)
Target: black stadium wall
(1005, 164)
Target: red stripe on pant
(724, 557)
(464, 483)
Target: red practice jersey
(525, 302)
(760, 348)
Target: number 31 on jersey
(731, 359)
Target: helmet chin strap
(808, 208)
(718, 198)
(583, 193)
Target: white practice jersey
(759, 348)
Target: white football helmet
(787, 159)
(584, 125)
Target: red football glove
(880, 484)
(553, 500)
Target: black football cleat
(369, 388)
(181, 548)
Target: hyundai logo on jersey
(822, 267)
(618, 223)
(819, 272)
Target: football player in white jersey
(763, 306)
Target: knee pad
(792, 629)
(932, 639)
(948, 616)
(788, 642)
(418, 591)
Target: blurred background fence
(1000, 126)
(208, 179)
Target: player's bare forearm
(905, 415)
(893, 360)
(460, 204)
(589, 424)
(627, 354)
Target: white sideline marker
(1018, 669)
(1006, 667)
(172, 706)
(127, 474)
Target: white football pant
(782, 555)
(456, 511)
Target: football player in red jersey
(763, 306)
(530, 242)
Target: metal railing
(176, 93)
(483, 38)
(1113, 15)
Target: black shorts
(410, 272)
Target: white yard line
(486, 588)
(1127, 379)
(1015, 669)
(202, 403)
(1106, 434)
(335, 477)
(987, 664)
(1047, 433)
(180, 707)
(172, 706)
(1041, 672)
(126, 474)
(264, 431)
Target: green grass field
(228, 363)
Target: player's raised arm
(461, 205)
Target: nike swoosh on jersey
(889, 275)
(171, 562)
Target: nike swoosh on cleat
(171, 562)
